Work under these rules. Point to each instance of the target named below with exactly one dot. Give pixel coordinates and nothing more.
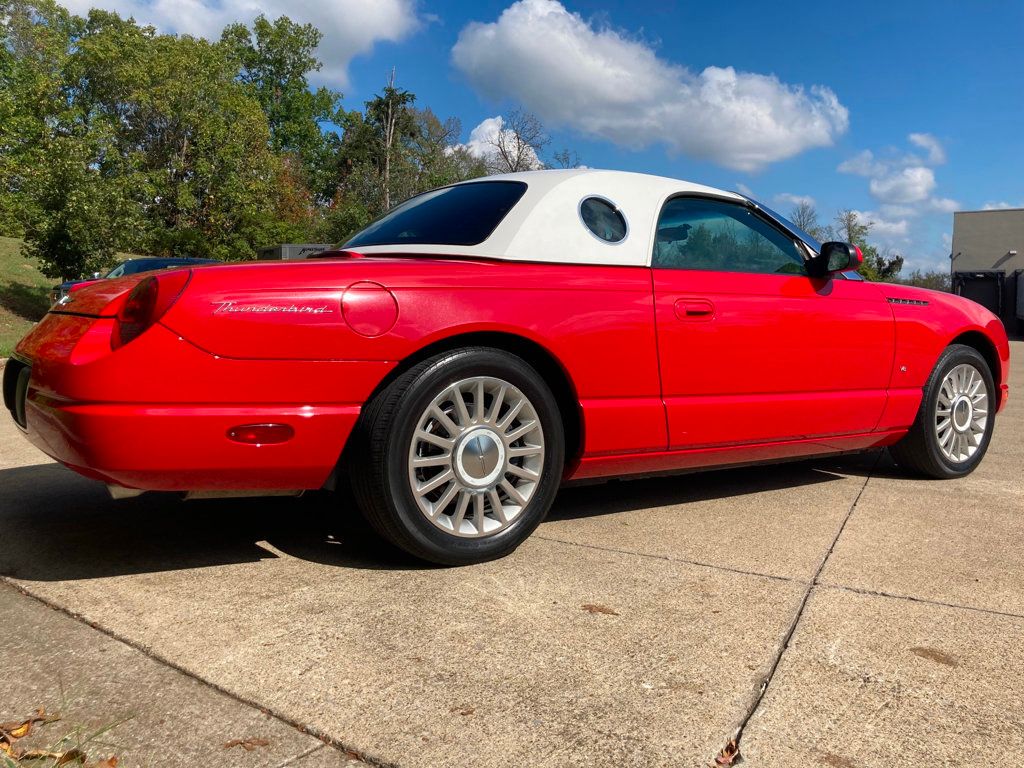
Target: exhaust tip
(118, 492)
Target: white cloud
(794, 200)
(927, 142)
(1000, 205)
(743, 189)
(908, 185)
(863, 164)
(605, 84)
(943, 205)
(350, 27)
(889, 211)
(484, 137)
(886, 230)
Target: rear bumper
(155, 414)
(182, 448)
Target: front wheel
(954, 424)
(460, 457)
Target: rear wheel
(460, 457)
(954, 424)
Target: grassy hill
(24, 294)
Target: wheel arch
(984, 346)
(537, 355)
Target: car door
(752, 350)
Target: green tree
(78, 209)
(878, 266)
(805, 216)
(35, 39)
(934, 279)
(275, 60)
(438, 157)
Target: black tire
(379, 467)
(919, 451)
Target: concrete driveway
(838, 612)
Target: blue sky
(902, 110)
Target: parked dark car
(128, 267)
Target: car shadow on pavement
(631, 494)
(56, 525)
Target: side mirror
(835, 257)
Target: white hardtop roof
(545, 224)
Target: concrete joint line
(316, 733)
(302, 755)
(732, 745)
(924, 600)
(669, 559)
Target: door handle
(694, 309)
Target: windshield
(810, 240)
(465, 214)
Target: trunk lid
(100, 299)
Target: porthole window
(603, 220)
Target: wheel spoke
(440, 442)
(511, 415)
(432, 461)
(446, 499)
(522, 429)
(460, 406)
(460, 511)
(523, 472)
(497, 506)
(479, 518)
(513, 493)
(449, 426)
(499, 400)
(479, 397)
(525, 451)
(435, 482)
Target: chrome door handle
(694, 309)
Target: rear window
(465, 214)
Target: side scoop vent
(912, 302)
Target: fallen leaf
(598, 608)
(837, 761)
(61, 758)
(937, 656)
(110, 762)
(730, 754)
(19, 729)
(247, 744)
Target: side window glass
(695, 233)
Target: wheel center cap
(480, 457)
(963, 411)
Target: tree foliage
(880, 265)
(114, 137)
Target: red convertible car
(480, 344)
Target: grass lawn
(24, 294)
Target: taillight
(146, 304)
